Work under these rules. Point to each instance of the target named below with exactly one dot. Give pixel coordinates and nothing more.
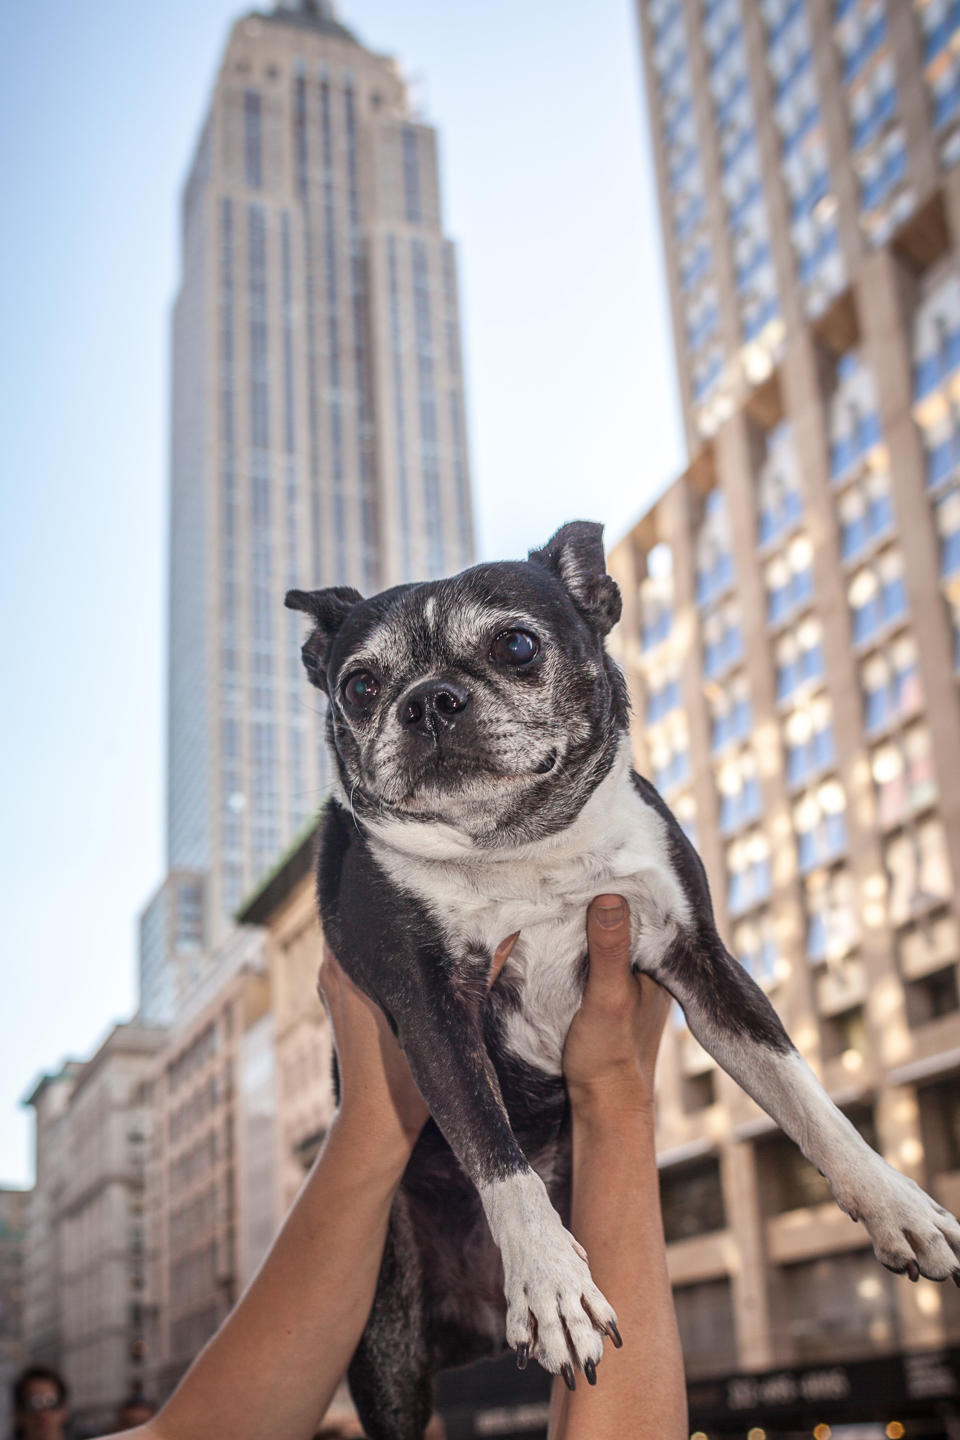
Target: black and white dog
(485, 787)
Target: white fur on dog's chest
(617, 844)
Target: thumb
(608, 944)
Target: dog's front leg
(734, 1021)
(554, 1310)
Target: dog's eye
(361, 689)
(514, 647)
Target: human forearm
(616, 1217)
(271, 1370)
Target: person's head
(40, 1403)
(135, 1410)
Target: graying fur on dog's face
(531, 740)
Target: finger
(608, 945)
(501, 954)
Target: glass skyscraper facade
(318, 426)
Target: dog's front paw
(554, 1310)
(912, 1235)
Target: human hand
(611, 1048)
(377, 1089)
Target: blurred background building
(790, 634)
(318, 438)
(85, 1269)
(13, 1234)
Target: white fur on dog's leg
(554, 1309)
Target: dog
(484, 786)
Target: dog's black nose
(431, 704)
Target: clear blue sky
(548, 188)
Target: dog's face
(486, 701)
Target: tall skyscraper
(318, 436)
(791, 637)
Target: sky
(549, 192)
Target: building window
(789, 580)
(853, 420)
(808, 732)
(756, 946)
(741, 800)
(749, 876)
(685, 812)
(838, 1305)
(411, 175)
(252, 157)
(670, 754)
(878, 597)
(820, 825)
(918, 867)
(903, 776)
(779, 502)
(799, 659)
(891, 684)
(691, 1198)
(656, 597)
(833, 927)
(866, 514)
(708, 1333)
(663, 695)
(714, 559)
(731, 714)
(722, 640)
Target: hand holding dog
(611, 1051)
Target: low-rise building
(85, 1263)
(13, 1234)
(198, 1195)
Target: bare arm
(272, 1369)
(609, 1062)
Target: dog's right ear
(328, 609)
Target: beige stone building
(205, 1192)
(13, 1234)
(790, 635)
(84, 1272)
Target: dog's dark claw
(613, 1332)
(568, 1379)
(590, 1370)
(913, 1270)
(956, 1278)
(523, 1355)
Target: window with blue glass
(936, 337)
(756, 947)
(820, 826)
(854, 422)
(670, 754)
(808, 736)
(722, 640)
(656, 597)
(866, 514)
(890, 681)
(779, 502)
(789, 580)
(731, 714)
(878, 597)
(741, 800)
(799, 658)
(749, 872)
(863, 33)
(663, 695)
(833, 927)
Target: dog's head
(486, 701)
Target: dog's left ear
(328, 609)
(575, 556)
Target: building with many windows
(790, 635)
(85, 1267)
(318, 434)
